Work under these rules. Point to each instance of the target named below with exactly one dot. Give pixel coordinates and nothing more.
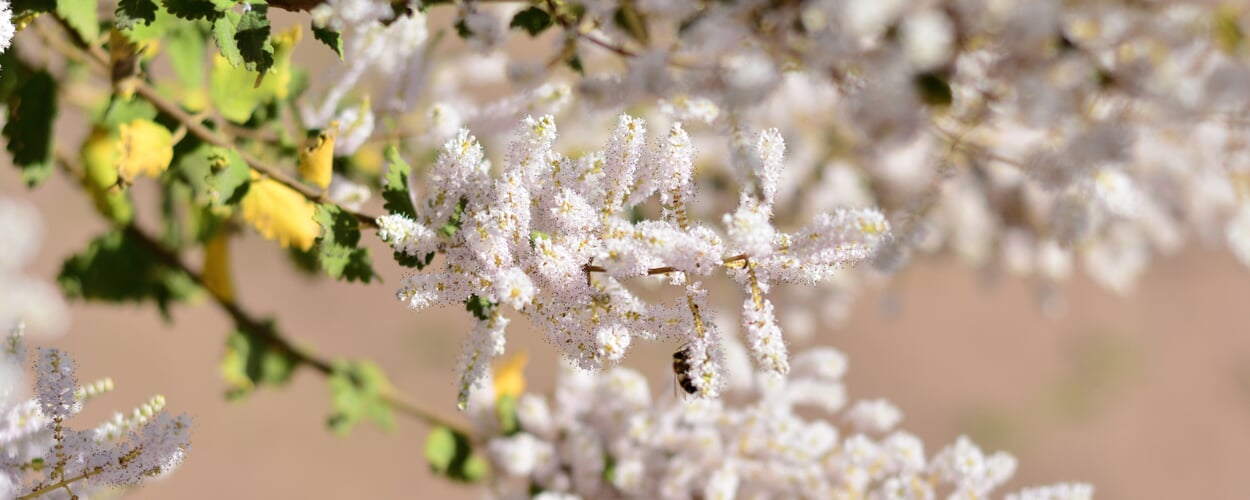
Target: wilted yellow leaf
(124, 61)
(217, 266)
(316, 160)
(280, 213)
(146, 149)
(509, 376)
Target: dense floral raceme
(41, 457)
(606, 435)
(1032, 138)
(551, 237)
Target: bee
(681, 369)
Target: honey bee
(681, 368)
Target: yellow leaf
(368, 158)
(280, 213)
(146, 149)
(99, 159)
(279, 76)
(509, 376)
(316, 160)
(217, 266)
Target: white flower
(927, 38)
(346, 193)
(7, 30)
(513, 287)
(875, 416)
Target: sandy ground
(1146, 396)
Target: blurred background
(1145, 396)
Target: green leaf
(450, 454)
(395, 187)
(934, 90)
(154, 30)
(218, 176)
(480, 307)
(32, 110)
(457, 219)
(397, 201)
(575, 63)
(197, 9)
(252, 37)
(252, 360)
(223, 34)
(357, 393)
(533, 20)
(330, 37)
(235, 91)
(132, 12)
(117, 268)
(339, 245)
(506, 409)
(631, 21)
(81, 15)
(1226, 30)
(186, 46)
(24, 7)
(121, 110)
(230, 176)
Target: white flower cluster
(1033, 138)
(551, 237)
(604, 435)
(7, 30)
(40, 457)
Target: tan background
(1146, 396)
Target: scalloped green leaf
(118, 268)
(338, 247)
(223, 34)
(357, 391)
(395, 185)
(252, 361)
(197, 9)
(81, 15)
(252, 35)
(533, 20)
(130, 13)
(450, 454)
(330, 37)
(32, 111)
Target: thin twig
(97, 60)
(590, 268)
(255, 326)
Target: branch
(64, 483)
(265, 331)
(590, 268)
(98, 61)
(256, 326)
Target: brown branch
(253, 325)
(591, 268)
(97, 60)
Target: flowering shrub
(35, 439)
(803, 150)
